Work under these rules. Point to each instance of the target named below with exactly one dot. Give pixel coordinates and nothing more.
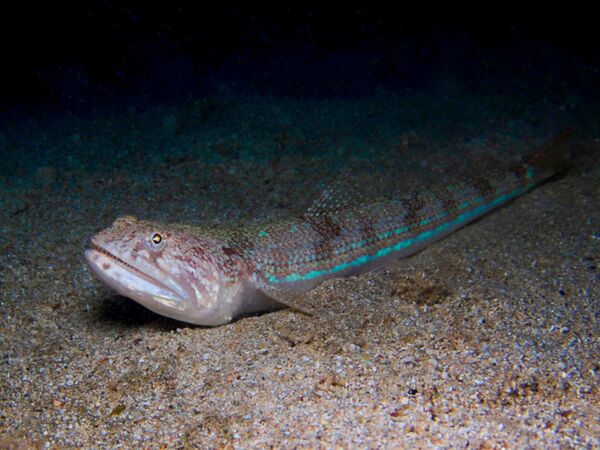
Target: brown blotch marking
(328, 230)
(324, 251)
(367, 230)
(446, 196)
(483, 186)
(325, 226)
(238, 243)
(413, 205)
(229, 251)
(106, 266)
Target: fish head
(168, 269)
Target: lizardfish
(210, 276)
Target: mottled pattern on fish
(342, 242)
(210, 276)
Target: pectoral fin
(296, 300)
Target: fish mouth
(95, 247)
(134, 283)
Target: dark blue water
(108, 85)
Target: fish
(210, 276)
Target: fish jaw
(139, 286)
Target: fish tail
(551, 159)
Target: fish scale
(304, 255)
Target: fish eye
(156, 239)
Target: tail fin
(550, 159)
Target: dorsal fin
(341, 195)
(335, 197)
(551, 158)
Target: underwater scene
(250, 226)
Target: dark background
(80, 55)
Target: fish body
(210, 276)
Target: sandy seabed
(487, 339)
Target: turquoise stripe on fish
(462, 218)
